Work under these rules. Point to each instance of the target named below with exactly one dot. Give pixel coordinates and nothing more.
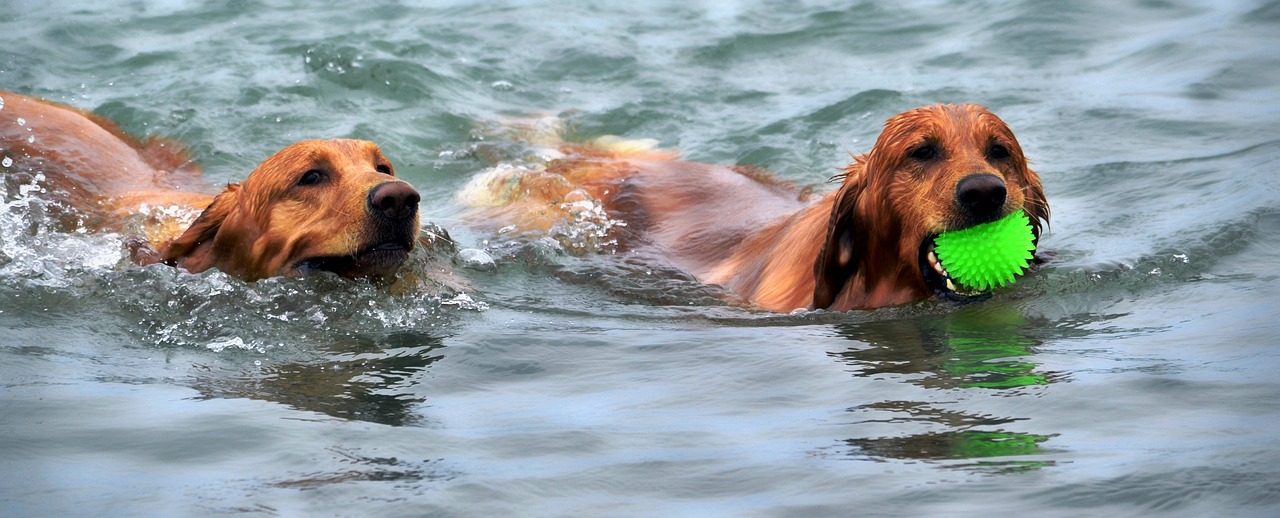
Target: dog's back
(87, 161)
(696, 215)
(718, 223)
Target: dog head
(317, 205)
(933, 169)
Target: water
(1135, 375)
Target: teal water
(1135, 375)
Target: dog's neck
(775, 267)
(765, 269)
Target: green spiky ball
(989, 255)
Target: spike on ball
(989, 255)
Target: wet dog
(317, 205)
(865, 245)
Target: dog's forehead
(944, 121)
(341, 152)
(336, 153)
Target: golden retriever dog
(866, 245)
(318, 205)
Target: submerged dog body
(332, 205)
(866, 245)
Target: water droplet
(502, 85)
(7, 162)
(22, 121)
(476, 259)
(277, 119)
(1, 103)
(31, 139)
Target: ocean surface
(1138, 374)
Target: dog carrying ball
(989, 255)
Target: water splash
(583, 224)
(588, 229)
(475, 259)
(180, 216)
(47, 253)
(234, 342)
(464, 301)
(45, 243)
(499, 185)
(277, 316)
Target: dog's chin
(936, 278)
(375, 260)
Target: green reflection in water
(974, 347)
(981, 345)
(982, 363)
(967, 444)
(961, 445)
(975, 444)
(985, 347)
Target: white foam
(464, 301)
(588, 229)
(35, 246)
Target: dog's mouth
(936, 277)
(380, 259)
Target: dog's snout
(394, 200)
(981, 196)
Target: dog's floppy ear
(1035, 203)
(842, 252)
(217, 238)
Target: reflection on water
(362, 468)
(982, 347)
(960, 445)
(977, 346)
(361, 380)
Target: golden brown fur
(859, 247)
(315, 205)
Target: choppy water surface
(1137, 374)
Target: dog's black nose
(394, 200)
(981, 197)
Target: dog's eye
(997, 152)
(311, 177)
(924, 153)
(383, 168)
